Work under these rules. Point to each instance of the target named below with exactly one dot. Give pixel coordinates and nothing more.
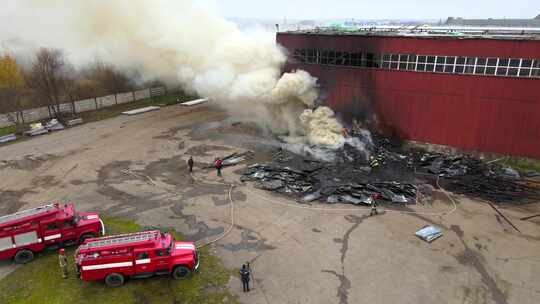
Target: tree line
(50, 80)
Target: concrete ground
(135, 167)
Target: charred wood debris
(396, 174)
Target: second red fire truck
(26, 232)
(137, 255)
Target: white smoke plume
(181, 42)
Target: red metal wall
(481, 113)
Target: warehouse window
(508, 67)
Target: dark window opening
(524, 72)
(492, 61)
(501, 71)
(481, 61)
(512, 71)
(526, 63)
(514, 62)
(480, 70)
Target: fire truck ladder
(25, 213)
(123, 239)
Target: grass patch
(8, 130)
(523, 164)
(40, 282)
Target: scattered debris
(54, 125)
(288, 180)
(236, 158)
(36, 129)
(504, 217)
(7, 138)
(429, 233)
(194, 102)
(141, 110)
(529, 217)
(74, 122)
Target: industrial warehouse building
(473, 90)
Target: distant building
(458, 21)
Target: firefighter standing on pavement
(62, 259)
(190, 164)
(245, 275)
(374, 199)
(219, 165)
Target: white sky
(382, 9)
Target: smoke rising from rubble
(184, 42)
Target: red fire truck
(51, 226)
(137, 255)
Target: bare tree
(110, 78)
(48, 75)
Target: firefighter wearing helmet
(62, 259)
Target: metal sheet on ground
(141, 110)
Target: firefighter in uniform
(245, 275)
(62, 259)
(190, 164)
(219, 165)
(374, 199)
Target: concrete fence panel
(85, 105)
(66, 107)
(106, 101)
(142, 94)
(4, 121)
(36, 114)
(157, 91)
(124, 97)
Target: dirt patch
(28, 163)
(470, 258)
(45, 181)
(11, 201)
(203, 149)
(201, 229)
(250, 241)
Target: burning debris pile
(391, 172)
(306, 185)
(279, 179)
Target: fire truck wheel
(114, 280)
(180, 272)
(24, 256)
(85, 237)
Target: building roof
(534, 22)
(452, 32)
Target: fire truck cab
(26, 232)
(137, 255)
